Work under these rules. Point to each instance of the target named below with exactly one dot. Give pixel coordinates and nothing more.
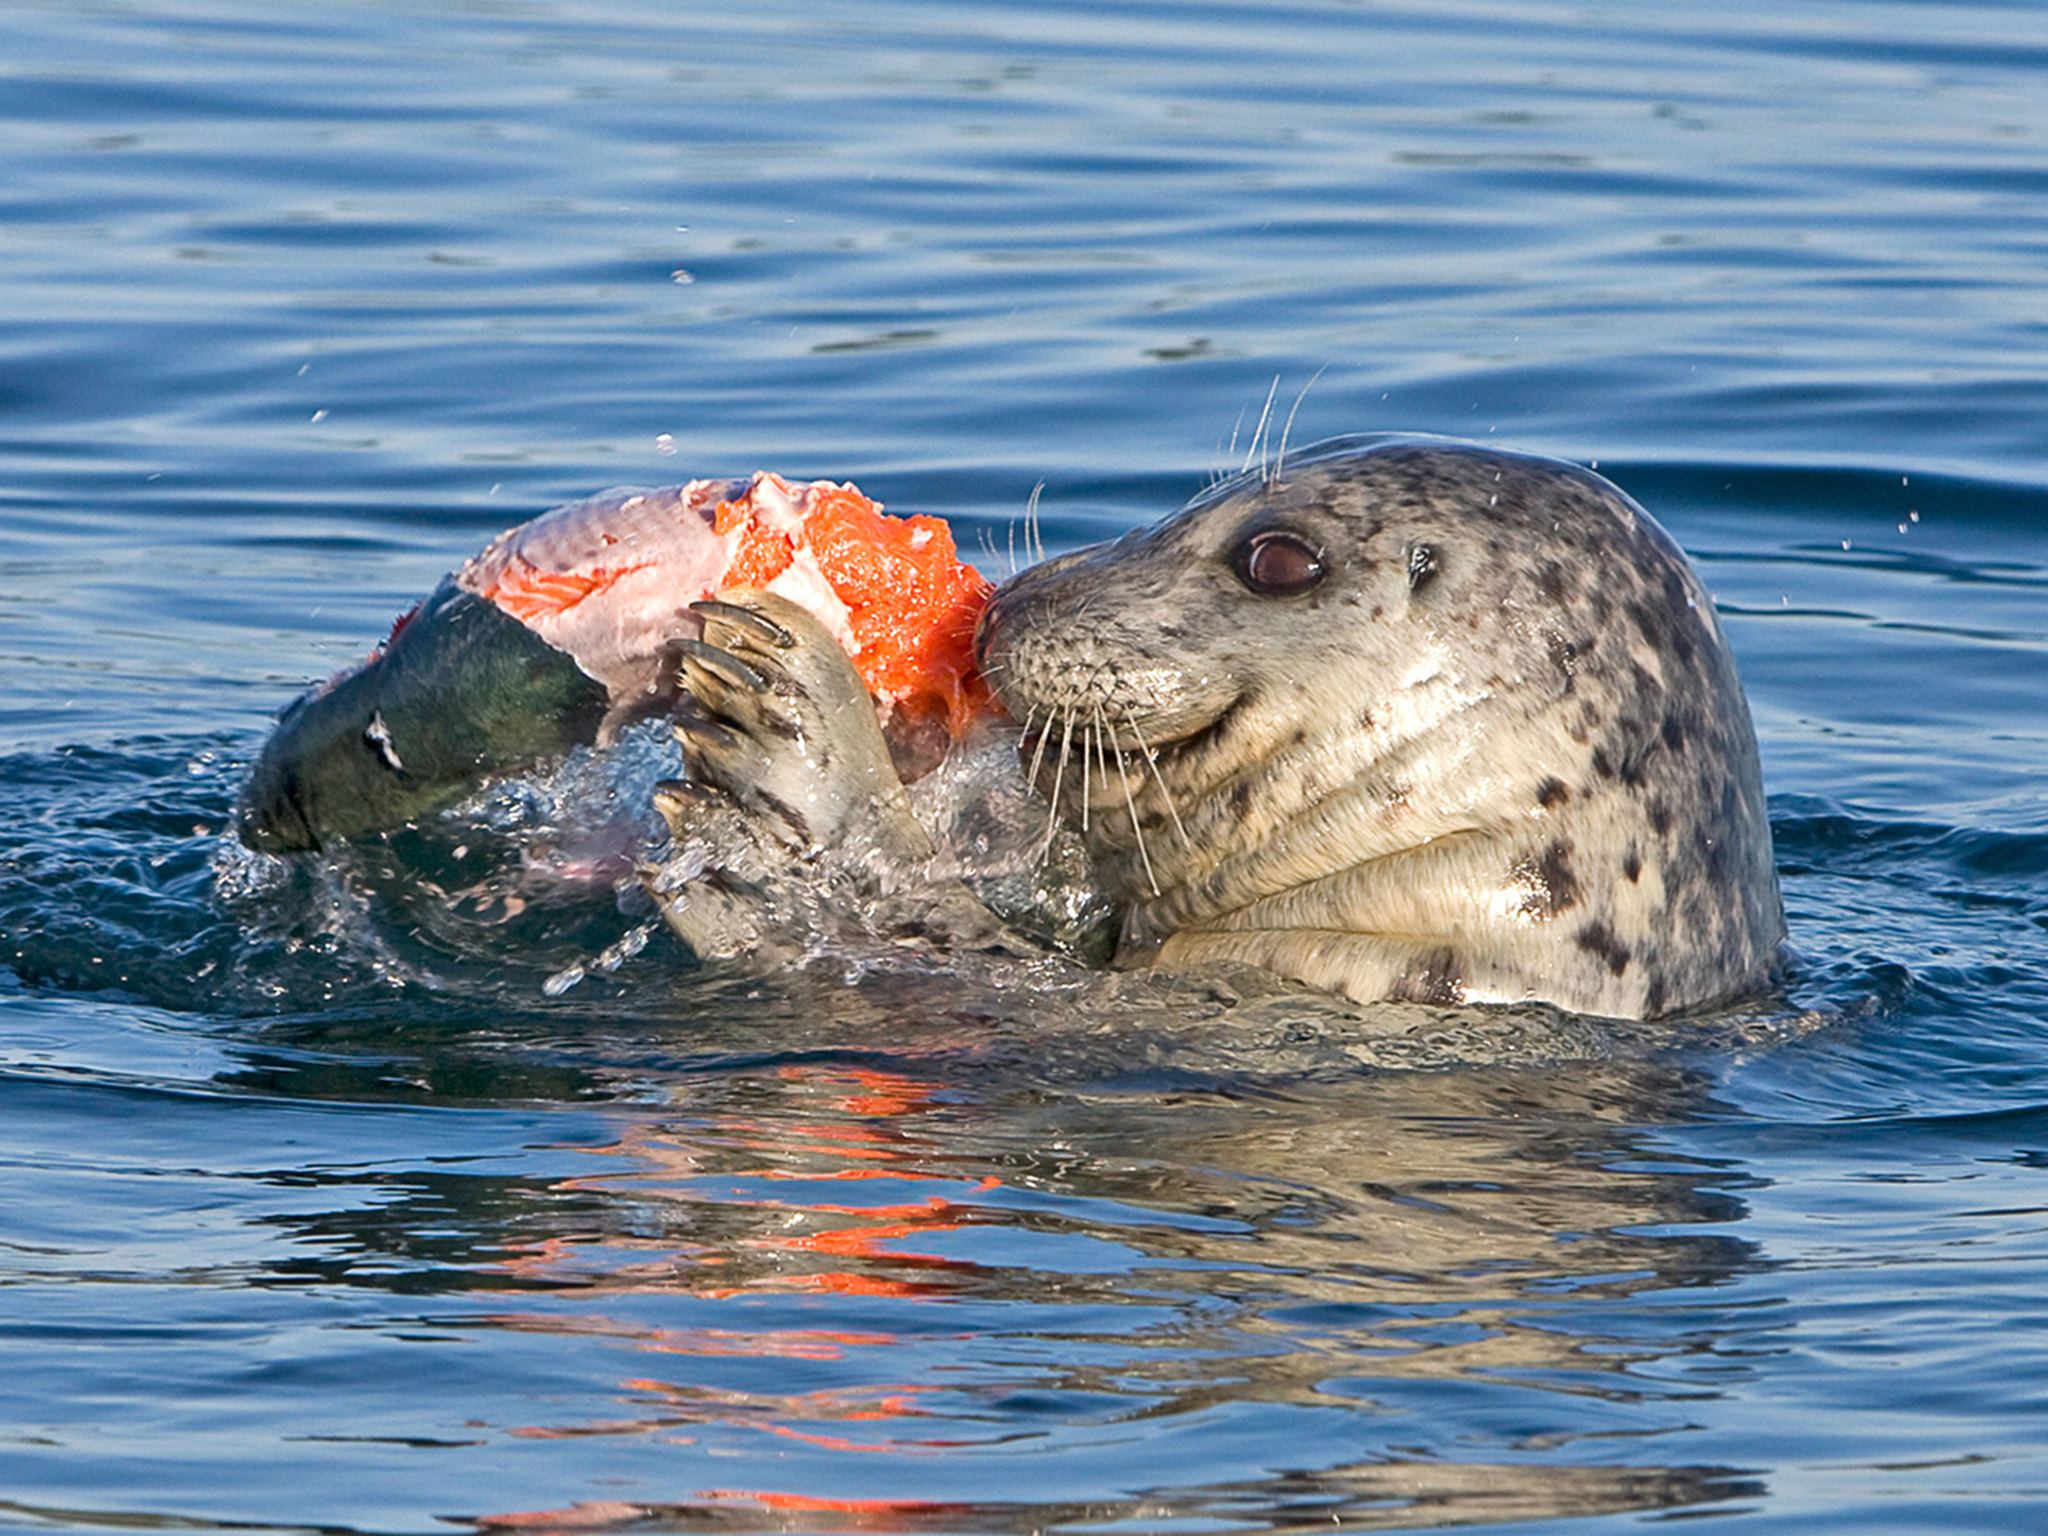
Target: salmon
(561, 633)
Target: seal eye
(1277, 563)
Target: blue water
(318, 1214)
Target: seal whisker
(1101, 754)
(1160, 779)
(1038, 753)
(1280, 458)
(1059, 774)
(1085, 731)
(1259, 432)
(1130, 804)
(1034, 529)
(1219, 469)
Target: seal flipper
(794, 808)
(460, 692)
(784, 724)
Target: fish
(565, 630)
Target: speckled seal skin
(1408, 719)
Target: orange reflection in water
(714, 1178)
(843, 1514)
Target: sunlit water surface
(319, 1213)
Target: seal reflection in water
(1406, 719)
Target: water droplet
(681, 275)
(321, 414)
(665, 443)
(625, 949)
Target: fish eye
(1278, 563)
(377, 737)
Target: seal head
(1413, 718)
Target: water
(319, 1213)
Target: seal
(1403, 718)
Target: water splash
(607, 960)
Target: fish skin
(609, 578)
(461, 692)
(556, 635)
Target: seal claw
(721, 664)
(679, 793)
(746, 620)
